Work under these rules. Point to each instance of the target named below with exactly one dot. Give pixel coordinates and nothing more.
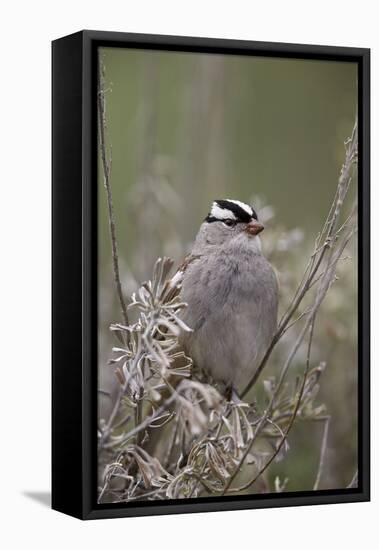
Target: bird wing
(174, 284)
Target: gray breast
(232, 309)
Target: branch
(142, 425)
(325, 283)
(322, 452)
(268, 411)
(106, 162)
(329, 235)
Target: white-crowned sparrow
(232, 295)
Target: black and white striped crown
(228, 209)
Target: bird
(231, 292)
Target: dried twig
(107, 162)
(313, 266)
(326, 279)
(322, 291)
(289, 426)
(322, 453)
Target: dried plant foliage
(172, 434)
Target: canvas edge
(84, 506)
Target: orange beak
(254, 227)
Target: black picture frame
(74, 272)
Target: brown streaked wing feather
(173, 287)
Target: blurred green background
(185, 129)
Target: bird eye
(229, 223)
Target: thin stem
(322, 291)
(106, 483)
(144, 424)
(324, 444)
(170, 447)
(138, 418)
(269, 408)
(122, 422)
(106, 163)
(314, 265)
(109, 426)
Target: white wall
(27, 28)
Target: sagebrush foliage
(207, 444)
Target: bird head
(229, 219)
